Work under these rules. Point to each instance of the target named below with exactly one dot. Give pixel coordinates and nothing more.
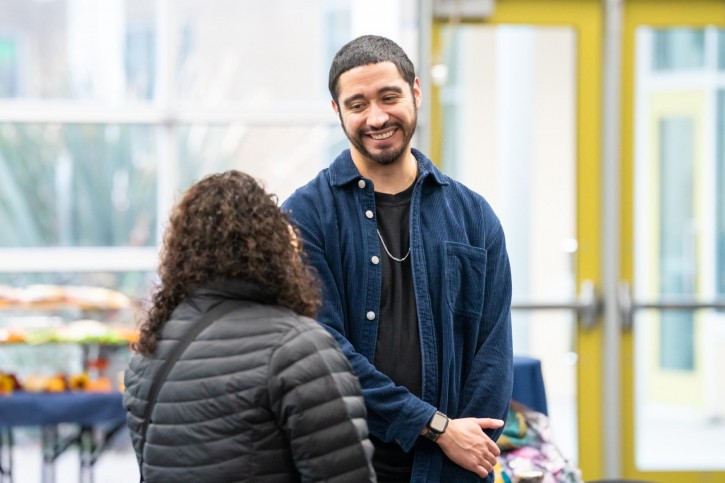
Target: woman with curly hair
(262, 392)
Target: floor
(678, 441)
(116, 465)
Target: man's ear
(417, 93)
(334, 107)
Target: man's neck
(388, 178)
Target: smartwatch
(437, 426)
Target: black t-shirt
(397, 350)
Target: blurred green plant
(77, 185)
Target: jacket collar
(344, 171)
(238, 289)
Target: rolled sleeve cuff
(407, 426)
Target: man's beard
(387, 156)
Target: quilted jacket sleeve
(317, 401)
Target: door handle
(627, 306)
(588, 306)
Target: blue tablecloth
(529, 383)
(42, 409)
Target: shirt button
(375, 260)
(369, 214)
(371, 315)
(361, 183)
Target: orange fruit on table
(102, 384)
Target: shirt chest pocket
(465, 279)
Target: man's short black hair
(365, 50)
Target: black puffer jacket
(261, 395)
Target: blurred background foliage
(81, 185)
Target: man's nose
(377, 116)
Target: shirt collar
(344, 171)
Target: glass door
(516, 117)
(674, 241)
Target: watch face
(438, 423)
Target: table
(104, 412)
(529, 383)
(95, 414)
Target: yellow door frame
(654, 13)
(586, 18)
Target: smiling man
(415, 276)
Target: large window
(678, 241)
(109, 110)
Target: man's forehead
(370, 77)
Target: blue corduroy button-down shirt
(462, 285)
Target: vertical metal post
(6, 454)
(49, 438)
(425, 46)
(86, 449)
(611, 235)
(166, 133)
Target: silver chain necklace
(388, 252)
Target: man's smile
(382, 135)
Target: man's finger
(493, 447)
(488, 423)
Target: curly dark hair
(227, 226)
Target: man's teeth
(379, 137)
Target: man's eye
(390, 99)
(356, 107)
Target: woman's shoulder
(259, 317)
